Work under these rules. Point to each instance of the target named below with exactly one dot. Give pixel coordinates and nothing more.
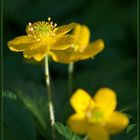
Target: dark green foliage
(130, 127)
(36, 102)
(66, 132)
(17, 121)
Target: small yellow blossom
(42, 38)
(81, 49)
(96, 117)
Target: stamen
(95, 115)
(30, 24)
(55, 24)
(51, 23)
(31, 29)
(35, 37)
(41, 29)
(38, 39)
(49, 19)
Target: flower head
(96, 117)
(42, 38)
(81, 49)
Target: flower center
(41, 29)
(95, 115)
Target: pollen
(95, 116)
(41, 29)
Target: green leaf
(130, 127)
(66, 131)
(9, 95)
(17, 121)
(35, 99)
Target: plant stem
(51, 110)
(70, 76)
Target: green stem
(70, 76)
(51, 110)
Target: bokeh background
(116, 67)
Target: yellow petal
(97, 132)
(82, 36)
(62, 43)
(61, 30)
(27, 56)
(61, 56)
(37, 51)
(81, 101)
(116, 122)
(34, 49)
(78, 124)
(21, 43)
(105, 98)
(39, 56)
(69, 55)
(93, 49)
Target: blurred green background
(116, 67)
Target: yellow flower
(96, 117)
(42, 38)
(81, 48)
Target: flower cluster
(96, 117)
(45, 38)
(81, 48)
(42, 38)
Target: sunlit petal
(116, 122)
(61, 30)
(82, 36)
(69, 55)
(81, 101)
(62, 43)
(78, 123)
(61, 56)
(93, 49)
(105, 98)
(21, 43)
(97, 132)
